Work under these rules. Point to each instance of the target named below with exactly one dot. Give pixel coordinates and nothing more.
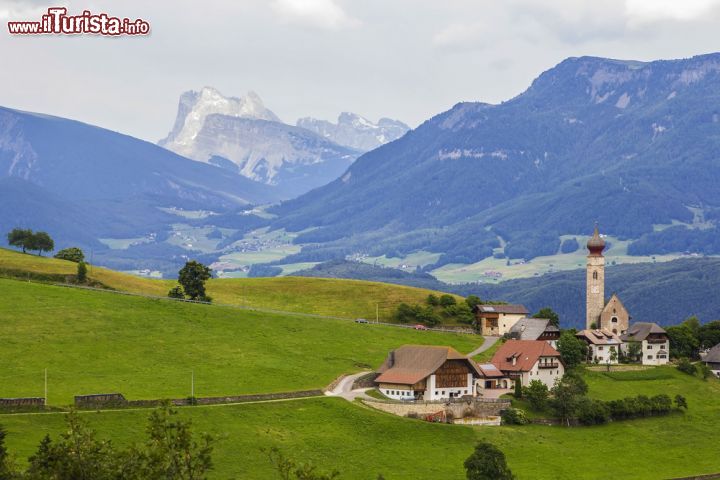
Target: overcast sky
(404, 59)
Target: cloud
(324, 14)
(645, 11)
(462, 36)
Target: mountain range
(243, 136)
(633, 145)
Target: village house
(535, 329)
(712, 359)
(654, 342)
(415, 372)
(497, 320)
(601, 345)
(529, 360)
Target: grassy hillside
(361, 443)
(94, 342)
(334, 297)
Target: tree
(42, 242)
(518, 388)
(72, 254)
(537, 394)
(428, 316)
(550, 314)
(704, 370)
(634, 351)
(680, 402)
(709, 334)
(473, 301)
(192, 277)
(19, 237)
(172, 451)
(447, 300)
(7, 467)
(176, 292)
(81, 272)
(573, 351)
(682, 341)
(433, 300)
(613, 357)
(406, 313)
(487, 462)
(693, 324)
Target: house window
(662, 347)
(649, 347)
(600, 348)
(649, 357)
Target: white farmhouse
(529, 360)
(603, 346)
(653, 340)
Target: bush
(176, 292)
(433, 300)
(593, 412)
(81, 272)
(72, 254)
(685, 366)
(514, 416)
(537, 394)
(487, 462)
(680, 402)
(447, 300)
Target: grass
(333, 297)
(487, 355)
(361, 443)
(97, 342)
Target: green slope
(361, 443)
(94, 342)
(334, 297)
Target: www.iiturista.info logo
(57, 22)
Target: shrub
(680, 402)
(81, 272)
(593, 412)
(537, 394)
(514, 416)
(685, 366)
(518, 389)
(176, 292)
(433, 300)
(72, 254)
(487, 462)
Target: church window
(614, 319)
(595, 276)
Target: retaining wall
(117, 400)
(476, 407)
(22, 402)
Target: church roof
(609, 302)
(596, 244)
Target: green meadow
(98, 342)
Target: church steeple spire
(595, 286)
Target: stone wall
(22, 402)
(100, 400)
(476, 407)
(366, 381)
(117, 400)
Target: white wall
(603, 355)
(652, 350)
(545, 375)
(507, 321)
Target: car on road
(361, 320)
(420, 327)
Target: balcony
(548, 365)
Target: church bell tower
(595, 287)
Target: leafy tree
(613, 357)
(518, 389)
(81, 272)
(406, 313)
(704, 370)
(77, 455)
(573, 351)
(550, 314)
(176, 292)
(683, 343)
(428, 316)
(693, 324)
(634, 351)
(685, 366)
(537, 394)
(72, 254)
(592, 412)
(447, 300)
(680, 402)
(192, 277)
(487, 462)
(289, 469)
(42, 242)
(473, 301)
(7, 467)
(460, 312)
(433, 300)
(172, 451)
(709, 334)
(19, 237)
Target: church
(611, 316)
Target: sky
(403, 59)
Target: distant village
(529, 349)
